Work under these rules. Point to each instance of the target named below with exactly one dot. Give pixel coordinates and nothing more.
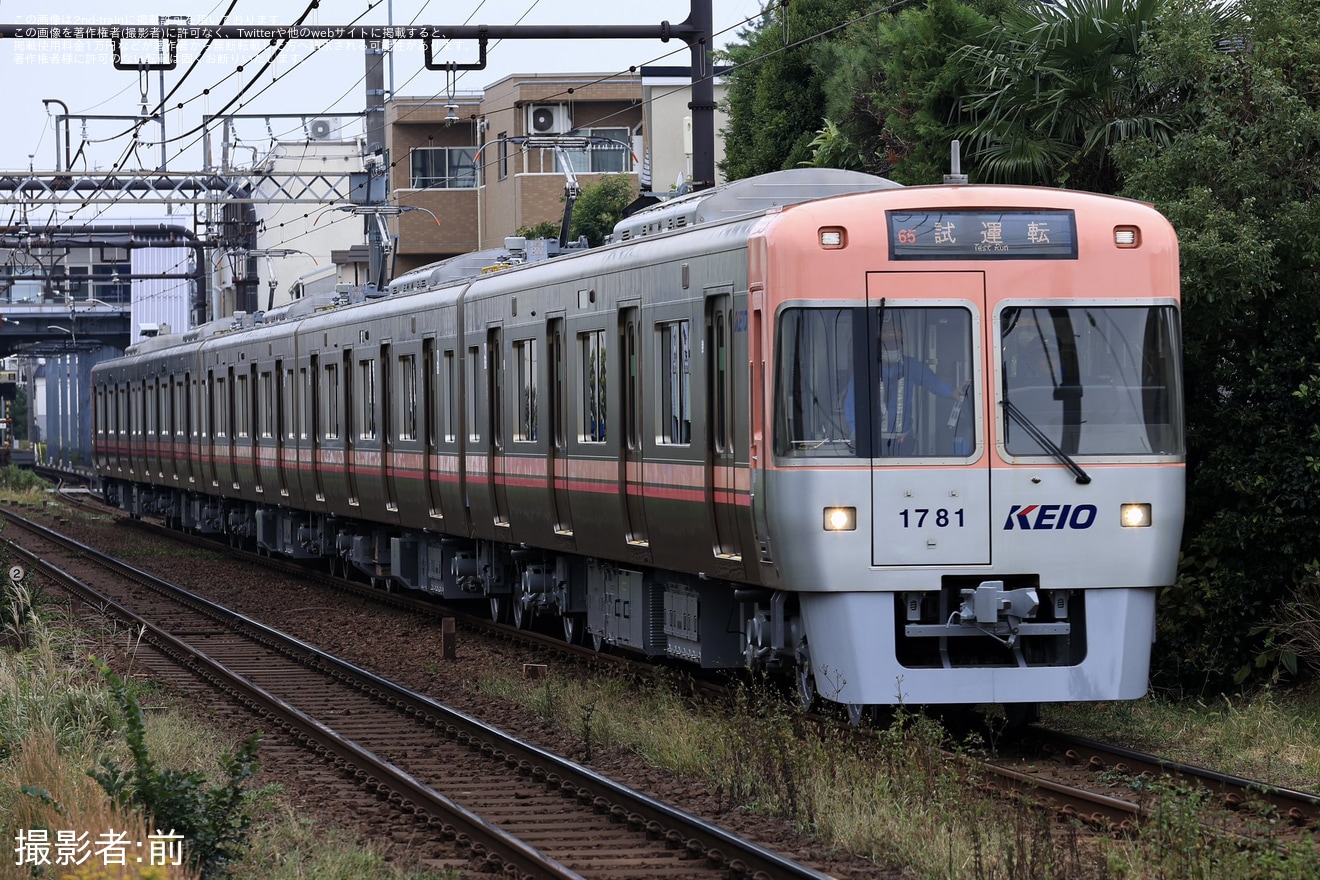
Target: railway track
(1239, 806)
(1105, 788)
(515, 808)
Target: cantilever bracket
(449, 65)
(145, 65)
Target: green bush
(212, 818)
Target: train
(914, 445)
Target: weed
(212, 819)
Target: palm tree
(1060, 82)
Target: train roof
(752, 195)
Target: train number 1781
(942, 518)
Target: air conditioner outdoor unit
(325, 128)
(548, 119)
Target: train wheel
(806, 681)
(1019, 715)
(857, 713)
(497, 609)
(572, 629)
(597, 641)
(522, 615)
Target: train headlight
(840, 519)
(1135, 516)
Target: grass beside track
(894, 797)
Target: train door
(346, 404)
(556, 468)
(632, 475)
(721, 476)
(930, 475)
(495, 424)
(431, 427)
(387, 428)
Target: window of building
(444, 168)
(609, 156)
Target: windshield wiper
(1045, 442)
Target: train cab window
(592, 400)
(875, 383)
(1090, 380)
(524, 362)
(675, 392)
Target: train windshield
(1090, 381)
(875, 383)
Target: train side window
(266, 406)
(331, 401)
(288, 406)
(592, 400)
(675, 397)
(367, 396)
(632, 380)
(408, 409)
(242, 406)
(524, 361)
(558, 378)
(495, 386)
(474, 393)
(301, 411)
(430, 411)
(721, 383)
(450, 384)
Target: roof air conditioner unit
(548, 119)
(325, 128)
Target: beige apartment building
(482, 165)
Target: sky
(326, 82)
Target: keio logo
(1035, 517)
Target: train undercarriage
(711, 623)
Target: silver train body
(677, 444)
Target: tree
(893, 85)
(1239, 181)
(1056, 85)
(775, 100)
(600, 206)
(544, 229)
